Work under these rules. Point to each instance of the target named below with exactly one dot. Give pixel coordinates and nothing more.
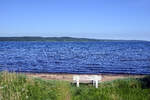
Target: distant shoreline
(63, 39)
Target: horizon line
(74, 37)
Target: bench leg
(96, 83)
(77, 83)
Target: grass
(19, 87)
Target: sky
(101, 19)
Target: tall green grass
(19, 87)
(127, 89)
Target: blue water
(128, 57)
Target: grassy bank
(19, 87)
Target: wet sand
(69, 77)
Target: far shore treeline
(32, 38)
(45, 39)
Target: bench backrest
(87, 77)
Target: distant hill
(52, 39)
(45, 39)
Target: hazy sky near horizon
(103, 19)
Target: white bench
(87, 79)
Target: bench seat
(95, 79)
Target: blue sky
(103, 19)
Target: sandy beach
(69, 77)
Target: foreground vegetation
(19, 87)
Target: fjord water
(127, 57)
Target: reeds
(14, 86)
